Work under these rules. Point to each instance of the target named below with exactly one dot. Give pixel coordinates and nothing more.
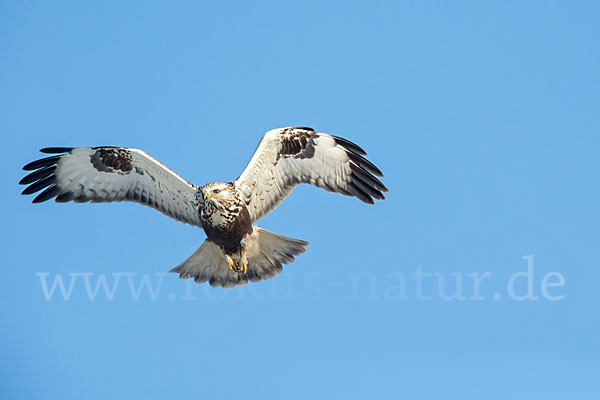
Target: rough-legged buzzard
(235, 250)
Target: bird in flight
(235, 251)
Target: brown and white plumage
(107, 174)
(235, 251)
(291, 156)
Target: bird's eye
(216, 191)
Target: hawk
(235, 251)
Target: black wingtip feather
(42, 177)
(39, 185)
(46, 194)
(348, 145)
(43, 162)
(367, 177)
(64, 197)
(37, 175)
(55, 150)
(358, 192)
(368, 189)
(365, 164)
(305, 128)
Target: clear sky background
(482, 115)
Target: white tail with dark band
(266, 252)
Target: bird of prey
(235, 251)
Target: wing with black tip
(107, 174)
(287, 157)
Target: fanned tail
(266, 252)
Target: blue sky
(482, 115)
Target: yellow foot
(235, 266)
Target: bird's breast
(226, 226)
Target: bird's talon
(238, 267)
(233, 265)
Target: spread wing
(107, 174)
(287, 157)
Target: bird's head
(219, 193)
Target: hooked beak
(206, 195)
